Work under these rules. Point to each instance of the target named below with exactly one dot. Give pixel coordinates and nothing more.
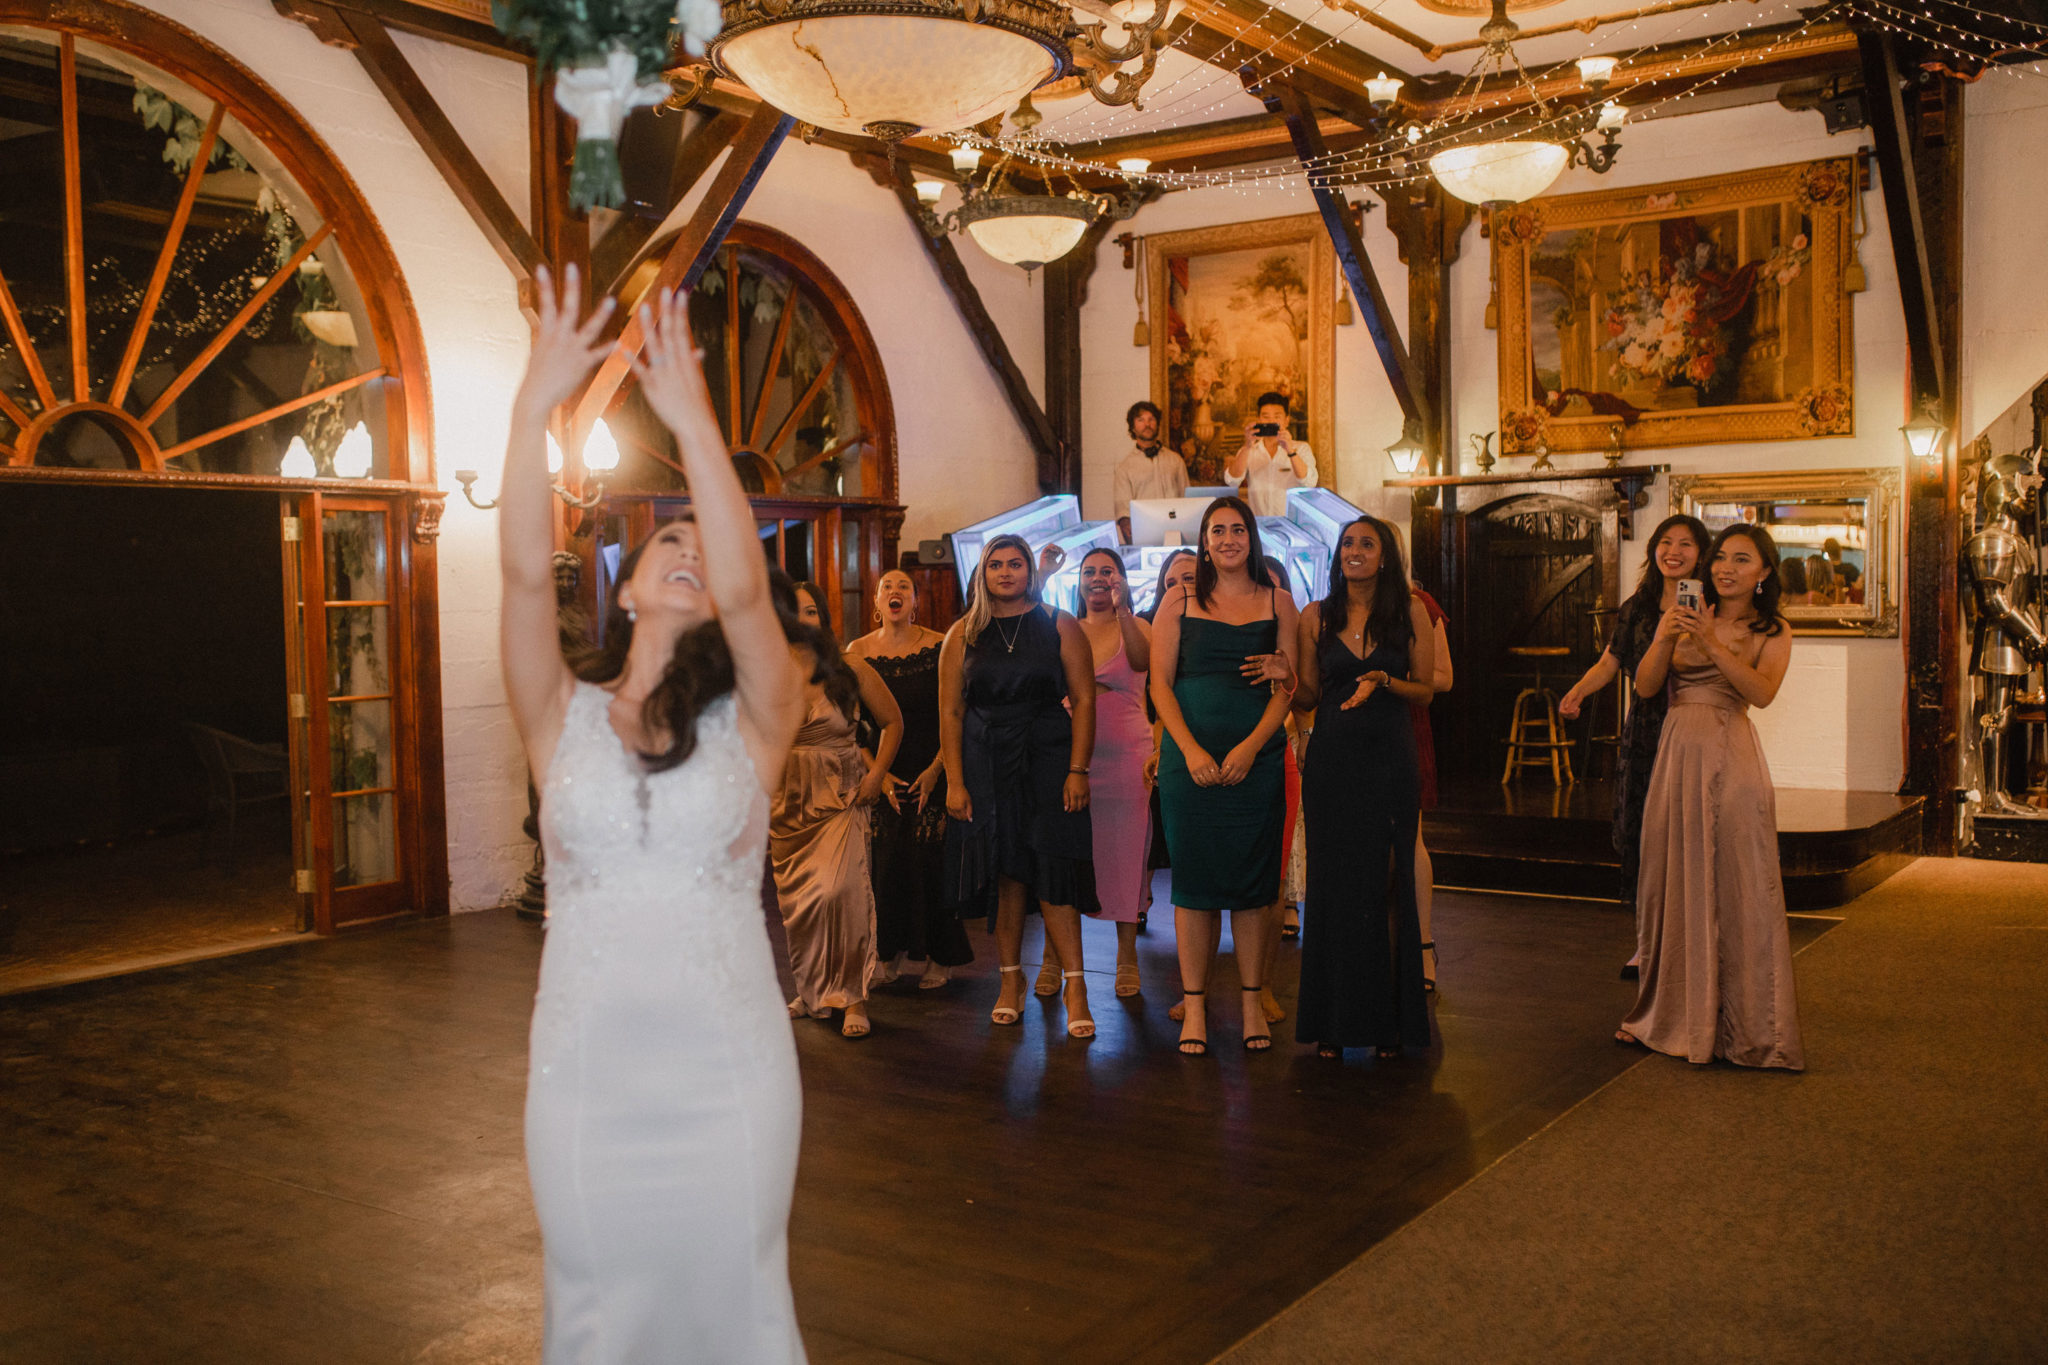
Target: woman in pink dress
(1120, 801)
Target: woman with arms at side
(1678, 549)
(1220, 770)
(819, 835)
(1425, 767)
(1119, 801)
(1369, 649)
(1717, 958)
(913, 921)
(662, 1106)
(1017, 772)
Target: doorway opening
(146, 810)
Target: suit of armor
(2003, 560)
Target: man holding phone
(1270, 461)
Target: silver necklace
(1010, 637)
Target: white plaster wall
(1838, 723)
(1116, 374)
(476, 346)
(2005, 244)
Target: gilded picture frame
(1689, 313)
(1845, 516)
(1224, 302)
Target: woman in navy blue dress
(1361, 941)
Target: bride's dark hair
(699, 672)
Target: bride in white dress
(662, 1107)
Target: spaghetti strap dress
(1224, 841)
(911, 914)
(1361, 939)
(818, 838)
(1016, 743)
(1119, 803)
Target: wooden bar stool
(1535, 738)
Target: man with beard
(1150, 470)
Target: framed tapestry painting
(1241, 310)
(1688, 313)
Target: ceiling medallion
(895, 68)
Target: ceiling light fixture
(1026, 229)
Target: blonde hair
(980, 611)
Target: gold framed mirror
(1837, 535)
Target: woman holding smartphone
(1678, 549)
(1710, 908)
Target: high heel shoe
(1048, 983)
(1127, 983)
(1006, 1015)
(1078, 1028)
(1258, 1042)
(1193, 1047)
(1429, 982)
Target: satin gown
(818, 841)
(1119, 803)
(662, 1105)
(1710, 904)
(1361, 936)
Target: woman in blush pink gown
(1120, 801)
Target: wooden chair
(1536, 739)
(239, 773)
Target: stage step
(1833, 846)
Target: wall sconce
(600, 456)
(1407, 452)
(1926, 437)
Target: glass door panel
(361, 743)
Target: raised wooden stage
(1534, 838)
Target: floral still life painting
(1245, 309)
(1711, 310)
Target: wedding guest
(1368, 650)
(1716, 955)
(1792, 576)
(662, 1105)
(819, 832)
(1017, 772)
(1271, 461)
(1220, 771)
(1176, 572)
(1425, 765)
(1119, 800)
(1821, 589)
(1678, 549)
(1151, 470)
(912, 920)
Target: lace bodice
(654, 879)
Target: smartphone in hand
(1692, 594)
(1266, 429)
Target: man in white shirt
(1270, 461)
(1150, 470)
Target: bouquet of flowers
(1678, 322)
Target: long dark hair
(1649, 593)
(1159, 588)
(830, 671)
(1205, 568)
(1768, 620)
(1387, 622)
(698, 673)
(1113, 557)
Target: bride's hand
(564, 350)
(671, 372)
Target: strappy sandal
(851, 1027)
(1078, 1028)
(1193, 1047)
(934, 977)
(1127, 980)
(1291, 930)
(1006, 1015)
(1429, 982)
(1258, 1042)
(1330, 1052)
(1048, 983)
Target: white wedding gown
(662, 1105)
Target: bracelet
(1078, 772)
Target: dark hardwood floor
(314, 1154)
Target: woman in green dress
(1221, 773)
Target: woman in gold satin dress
(818, 833)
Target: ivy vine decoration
(607, 56)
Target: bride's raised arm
(771, 694)
(537, 681)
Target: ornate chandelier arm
(1143, 36)
(1122, 87)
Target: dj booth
(1303, 540)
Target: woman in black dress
(1361, 940)
(1677, 550)
(1017, 772)
(912, 920)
